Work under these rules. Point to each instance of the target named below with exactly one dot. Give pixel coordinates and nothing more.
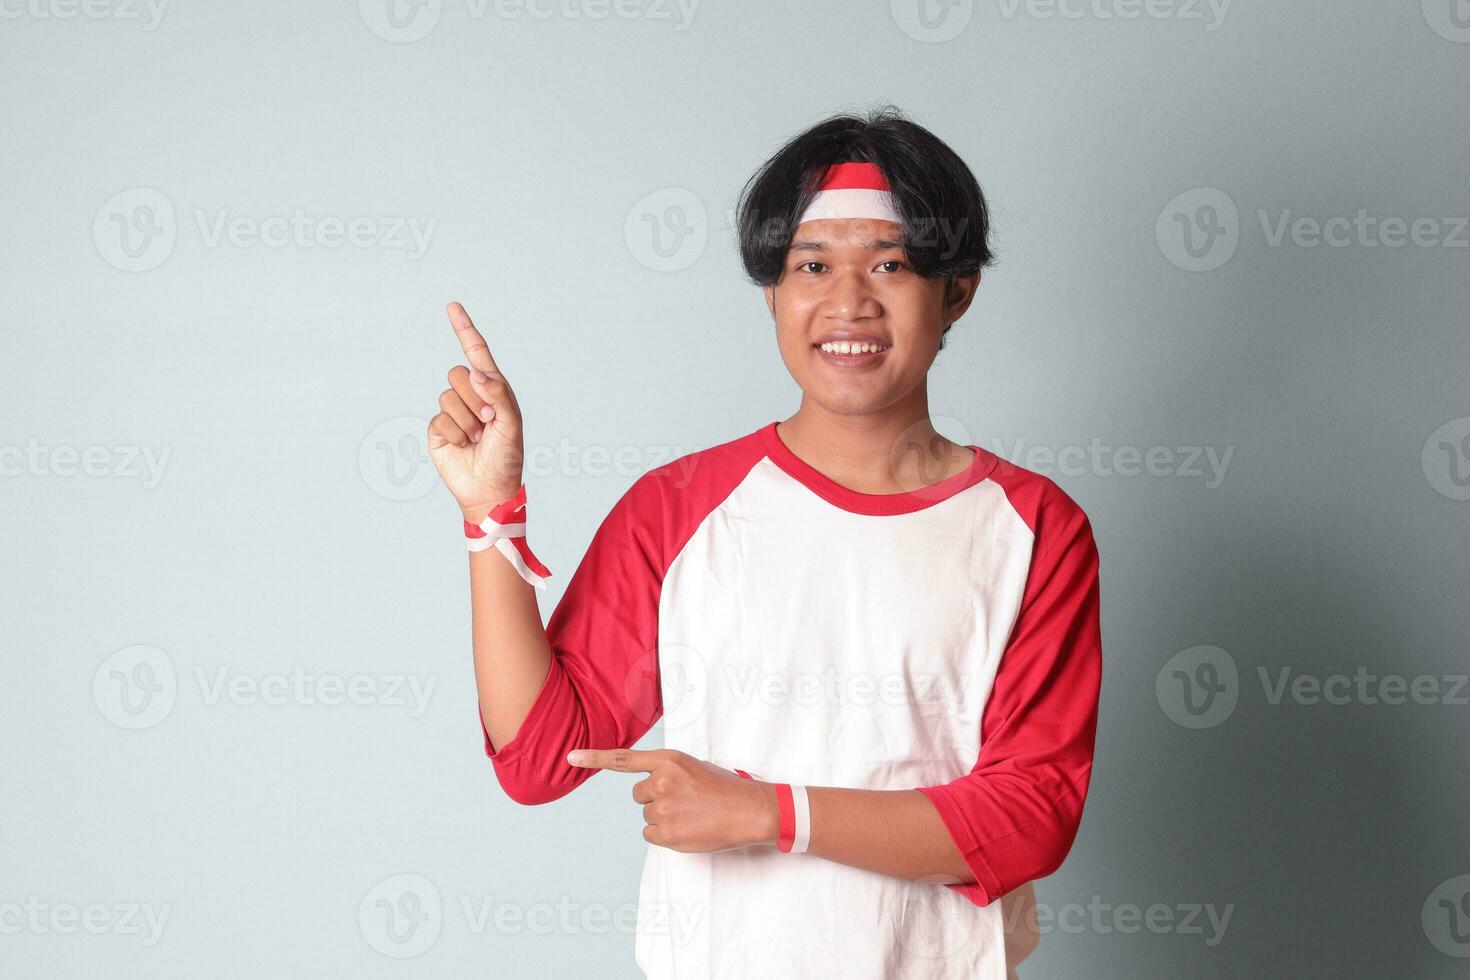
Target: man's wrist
(768, 824)
(478, 512)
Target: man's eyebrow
(812, 245)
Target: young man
(875, 651)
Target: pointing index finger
(476, 351)
(620, 760)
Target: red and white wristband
(794, 833)
(504, 529)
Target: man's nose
(851, 297)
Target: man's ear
(770, 292)
(959, 291)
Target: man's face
(849, 281)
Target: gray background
(294, 526)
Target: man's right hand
(475, 440)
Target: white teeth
(849, 347)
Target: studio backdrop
(1228, 317)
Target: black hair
(946, 224)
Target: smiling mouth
(852, 354)
(845, 348)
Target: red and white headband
(853, 190)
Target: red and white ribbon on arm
(504, 529)
(794, 833)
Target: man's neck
(893, 451)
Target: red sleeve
(1015, 814)
(602, 688)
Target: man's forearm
(511, 651)
(893, 832)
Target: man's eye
(804, 266)
(893, 262)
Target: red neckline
(879, 504)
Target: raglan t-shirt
(944, 640)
